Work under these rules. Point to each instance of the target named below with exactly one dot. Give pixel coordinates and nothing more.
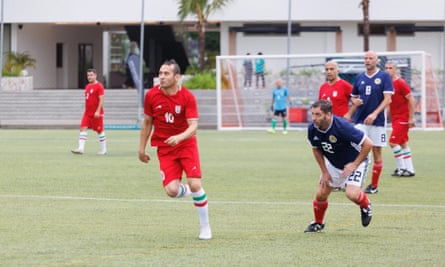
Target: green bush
(203, 80)
(16, 62)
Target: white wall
(47, 22)
(40, 40)
(322, 42)
(113, 11)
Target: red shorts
(399, 134)
(96, 124)
(178, 159)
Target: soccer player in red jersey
(171, 119)
(93, 116)
(401, 110)
(335, 89)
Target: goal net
(243, 105)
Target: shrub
(17, 62)
(203, 80)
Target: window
(381, 29)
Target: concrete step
(64, 108)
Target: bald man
(335, 89)
(371, 95)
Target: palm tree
(17, 62)
(365, 8)
(201, 9)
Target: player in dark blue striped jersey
(371, 94)
(341, 152)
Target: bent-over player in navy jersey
(341, 152)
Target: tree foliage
(204, 80)
(16, 62)
(201, 9)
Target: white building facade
(64, 35)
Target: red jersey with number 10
(92, 93)
(170, 113)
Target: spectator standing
(248, 70)
(259, 71)
(132, 58)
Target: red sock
(362, 200)
(376, 170)
(319, 210)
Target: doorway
(85, 62)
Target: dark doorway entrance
(160, 44)
(85, 62)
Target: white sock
(398, 155)
(184, 191)
(83, 137)
(103, 141)
(407, 159)
(201, 203)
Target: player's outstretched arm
(146, 127)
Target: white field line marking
(222, 202)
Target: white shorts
(356, 178)
(377, 134)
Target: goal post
(246, 106)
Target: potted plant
(15, 73)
